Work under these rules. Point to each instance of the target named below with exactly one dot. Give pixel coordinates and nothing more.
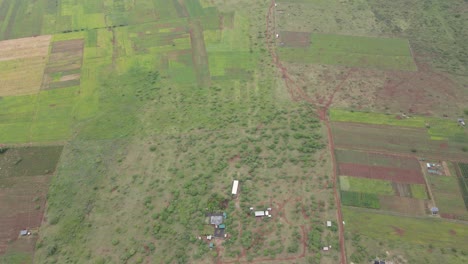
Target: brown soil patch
(295, 39)
(65, 62)
(404, 205)
(453, 232)
(22, 207)
(24, 48)
(382, 173)
(398, 231)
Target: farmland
(352, 51)
(26, 173)
(133, 118)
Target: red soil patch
(295, 39)
(381, 173)
(452, 232)
(398, 231)
(234, 159)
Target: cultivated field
(161, 104)
(352, 51)
(24, 179)
(22, 64)
(403, 239)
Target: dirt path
(298, 94)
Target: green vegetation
(463, 181)
(418, 191)
(385, 53)
(413, 230)
(16, 258)
(342, 115)
(364, 185)
(367, 200)
(448, 196)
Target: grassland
(410, 238)
(353, 51)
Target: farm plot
(406, 229)
(21, 207)
(404, 205)
(24, 179)
(365, 185)
(383, 173)
(462, 172)
(376, 159)
(448, 196)
(28, 161)
(64, 65)
(353, 51)
(388, 138)
(22, 64)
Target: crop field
(376, 159)
(22, 64)
(161, 104)
(448, 196)
(382, 173)
(24, 179)
(388, 138)
(353, 51)
(462, 172)
(366, 185)
(437, 128)
(408, 238)
(64, 66)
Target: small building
(461, 122)
(211, 245)
(325, 249)
(208, 237)
(329, 223)
(434, 210)
(235, 186)
(224, 215)
(216, 219)
(24, 232)
(222, 226)
(428, 165)
(260, 213)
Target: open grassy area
(422, 231)
(353, 51)
(364, 185)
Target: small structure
(325, 249)
(24, 232)
(211, 245)
(461, 122)
(216, 219)
(208, 237)
(222, 226)
(262, 213)
(329, 223)
(434, 210)
(235, 186)
(224, 215)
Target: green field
(354, 51)
(448, 196)
(418, 231)
(357, 199)
(418, 191)
(365, 185)
(437, 128)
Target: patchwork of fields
(134, 117)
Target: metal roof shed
(259, 213)
(235, 186)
